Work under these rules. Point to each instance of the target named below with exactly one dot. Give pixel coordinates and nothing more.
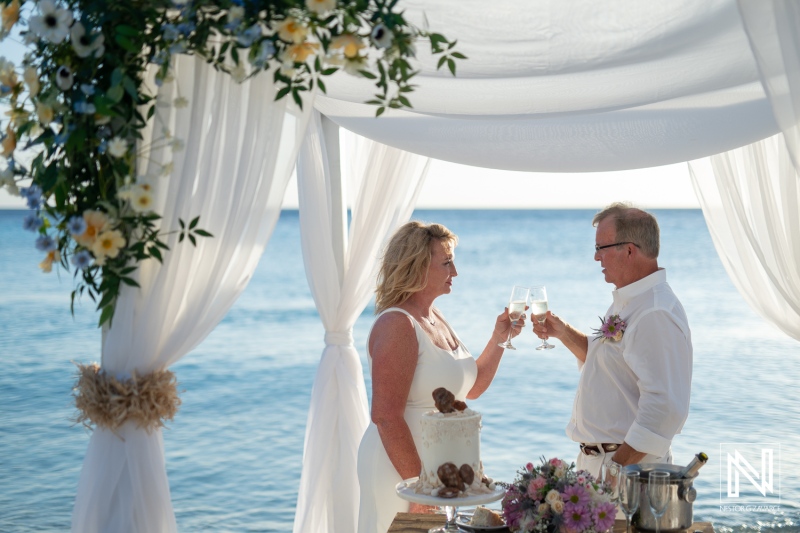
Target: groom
(636, 372)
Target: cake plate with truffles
(406, 489)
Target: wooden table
(421, 523)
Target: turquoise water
(234, 451)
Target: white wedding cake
(450, 452)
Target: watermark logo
(750, 476)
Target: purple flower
(83, 260)
(32, 222)
(45, 243)
(604, 515)
(33, 195)
(576, 517)
(576, 495)
(76, 226)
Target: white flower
(557, 507)
(108, 244)
(320, 7)
(543, 508)
(141, 198)
(552, 497)
(86, 45)
(239, 73)
(64, 78)
(381, 36)
(180, 102)
(176, 144)
(292, 30)
(117, 147)
(52, 24)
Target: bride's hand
(504, 322)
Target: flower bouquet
(552, 497)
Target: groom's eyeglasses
(597, 247)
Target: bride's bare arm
(394, 350)
(489, 360)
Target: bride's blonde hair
(404, 267)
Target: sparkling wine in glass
(658, 494)
(451, 512)
(629, 494)
(539, 311)
(516, 308)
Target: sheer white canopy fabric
(240, 147)
(751, 202)
(772, 28)
(573, 86)
(387, 181)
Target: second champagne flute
(539, 311)
(629, 491)
(516, 306)
(658, 494)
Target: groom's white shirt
(637, 390)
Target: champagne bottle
(697, 463)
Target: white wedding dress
(456, 371)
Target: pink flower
(576, 495)
(576, 517)
(529, 467)
(604, 515)
(612, 328)
(536, 486)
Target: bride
(412, 351)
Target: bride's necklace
(429, 320)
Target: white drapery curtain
(772, 29)
(751, 202)
(575, 86)
(388, 181)
(240, 147)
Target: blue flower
(186, 28)
(249, 35)
(85, 108)
(170, 32)
(76, 226)
(32, 222)
(82, 259)
(237, 2)
(265, 51)
(62, 137)
(45, 243)
(177, 48)
(102, 147)
(33, 195)
(87, 89)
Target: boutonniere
(612, 329)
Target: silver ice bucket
(682, 494)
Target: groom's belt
(594, 449)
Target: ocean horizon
(234, 451)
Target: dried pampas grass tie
(108, 402)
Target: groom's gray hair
(633, 225)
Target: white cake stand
(405, 489)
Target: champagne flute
(516, 307)
(629, 494)
(658, 494)
(539, 311)
(610, 475)
(450, 512)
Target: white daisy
(52, 24)
(117, 147)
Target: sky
(453, 186)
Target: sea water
(234, 451)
